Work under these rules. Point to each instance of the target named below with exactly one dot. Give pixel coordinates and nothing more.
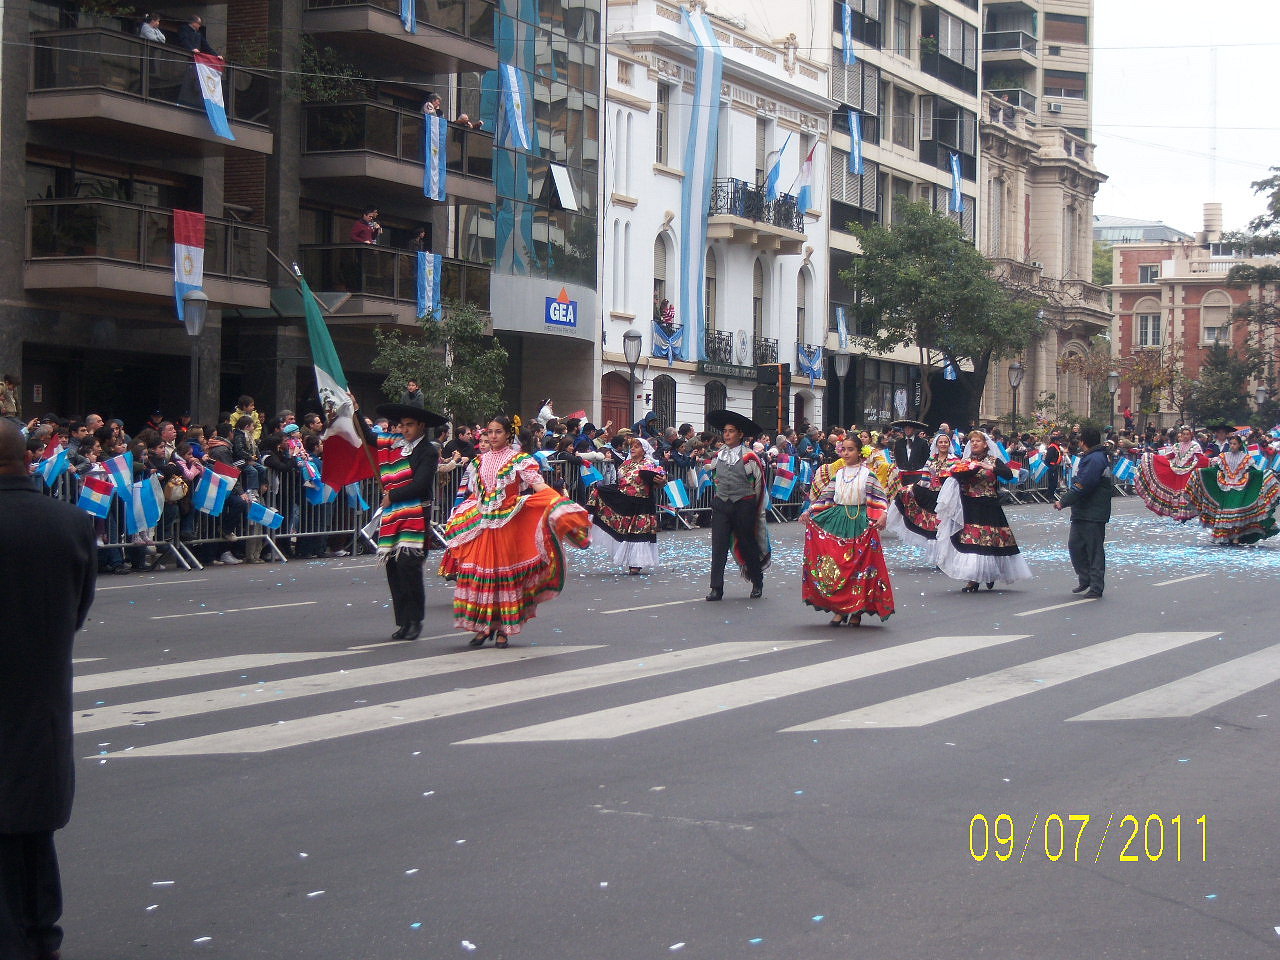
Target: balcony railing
(105, 60)
(364, 126)
(1009, 40)
(1014, 96)
(766, 350)
(740, 199)
(718, 346)
(473, 19)
(360, 269)
(137, 234)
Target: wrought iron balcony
(737, 198)
(766, 350)
(718, 346)
(389, 274)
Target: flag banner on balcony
(347, 455)
(430, 266)
(409, 15)
(144, 506)
(957, 201)
(775, 171)
(810, 360)
(803, 187)
(188, 255)
(667, 344)
(699, 179)
(855, 143)
(209, 72)
(515, 102)
(846, 35)
(842, 328)
(435, 148)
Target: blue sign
(561, 311)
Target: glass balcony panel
(412, 133)
(157, 239)
(215, 247)
(380, 131)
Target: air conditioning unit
(1055, 108)
(1037, 265)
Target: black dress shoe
(411, 630)
(757, 590)
(1080, 589)
(399, 634)
(715, 595)
(1093, 595)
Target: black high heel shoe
(838, 620)
(991, 584)
(970, 587)
(479, 639)
(500, 640)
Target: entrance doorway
(615, 400)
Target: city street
(644, 774)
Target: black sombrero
(916, 424)
(395, 412)
(722, 418)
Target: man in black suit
(911, 452)
(48, 567)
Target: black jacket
(1089, 495)
(194, 40)
(911, 454)
(48, 567)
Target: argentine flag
(435, 146)
(430, 266)
(590, 476)
(677, 495)
(409, 16)
(316, 496)
(146, 503)
(53, 466)
(771, 181)
(265, 516)
(211, 492)
(1123, 470)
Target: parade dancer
(737, 510)
(914, 513)
(1234, 498)
(1161, 479)
(407, 464)
(626, 512)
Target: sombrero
(722, 418)
(395, 412)
(910, 423)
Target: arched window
(709, 294)
(1215, 318)
(757, 299)
(1073, 390)
(714, 397)
(1148, 323)
(664, 401)
(802, 298)
(995, 216)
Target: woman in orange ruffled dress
(1161, 480)
(504, 541)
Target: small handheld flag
(95, 496)
(146, 504)
(316, 496)
(211, 492)
(1123, 470)
(677, 495)
(265, 516)
(121, 470)
(355, 498)
(784, 479)
(590, 476)
(53, 466)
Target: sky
(1154, 107)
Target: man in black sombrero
(737, 510)
(911, 450)
(407, 463)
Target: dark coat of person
(1089, 495)
(48, 568)
(192, 39)
(911, 453)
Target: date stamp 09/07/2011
(1139, 839)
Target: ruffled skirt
(975, 541)
(913, 518)
(1237, 515)
(1163, 488)
(844, 569)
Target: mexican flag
(347, 458)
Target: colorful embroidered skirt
(503, 573)
(1163, 488)
(914, 517)
(1237, 515)
(844, 569)
(975, 541)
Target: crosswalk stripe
(218, 613)
(1200, 691)
(660, 712)
(942, 703)
(1056, 606)
(1170, 583)
(343, 723)
(193, 668)
(255, 694)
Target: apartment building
(103, 141)
(726, 309)
(1039, 180)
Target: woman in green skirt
(1234, 498)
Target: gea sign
(561, 311)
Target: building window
(802, 297)
(664, 401)
(902, 28)
(1066, 28)
(714, 397)
(995, 216)
(662, 117)
(1215, 318)
(762, 148)
(1148, 272)
(709, 294)
(904, 118)
(1148, 325)
(757, 299)
(1065, 83)
(659, 272)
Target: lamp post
(842, 368)
(1113, 387)
(195, 308)
(1260, 396)
(1016, 373)
(631, 343)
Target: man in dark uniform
(407, 467)
(1089, 497)
(48, 567)
(911, 451)
(737, 510)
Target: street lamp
(195, 309)
(1016, 372)
(631, 343)
(842, 368)
(1113, 387)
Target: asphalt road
(645, 775)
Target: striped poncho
(404, 524)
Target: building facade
(727, 306)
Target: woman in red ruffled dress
(844, 571)
(504, 541)
(1161, 480)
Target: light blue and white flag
(677, 495)
(209, 73)
(957, 445)
(806, 472)
(317, 496)
(699, 178)
(355, 497)
(515, 103)
(667, 344)
(211, 492)
(409, 15)
(775, 171)
(810, 360)
(842, 328)
(803, 186)
(1037, 466)
(544, 459)
(430, 266)
(265, 516)
(705, 481)
(957, 201)
(435, 160)
(855, 143)
(846, 34)
(145, 505)
(53, 466)
(949, 372)
(1123, 470)
(590, 476)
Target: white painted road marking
(1170, 583)
(152, 583)
(653, 606)
(1056, 606)
(215, 613)
(943, 703)
(192, 668)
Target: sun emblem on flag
(188, 265)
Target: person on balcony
(431, 105)
(192, 39)
(367, 229)
(150, 29)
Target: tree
(1220, 392)
(924, 286)
(459, 366)
(1103, 258)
